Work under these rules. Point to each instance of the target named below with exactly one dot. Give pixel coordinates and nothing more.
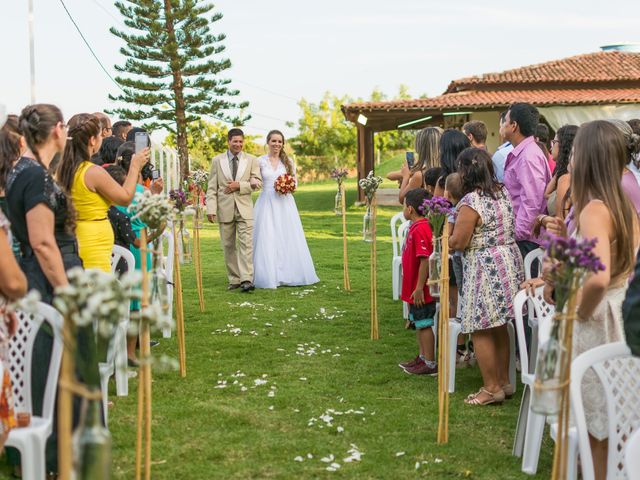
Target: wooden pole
(65, 403)
(177, 288)
(345, 257)
(144, 384)
(197, 262)
(375, 334)
(443, 343)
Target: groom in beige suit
(234, 175)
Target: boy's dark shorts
(422, 317)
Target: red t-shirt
(552, 163)
(418, 244)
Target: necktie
(234, 162)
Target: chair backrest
(20, 358)
(117, 253)
(543, 313)
(169, 258)
(619, 373)
(519, 301)
(398, 217)
(632, 455)
(533, 258)
(402, 233)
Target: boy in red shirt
(415, 273)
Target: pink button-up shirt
(526, 175)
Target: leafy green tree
(206, 140)
(172, 73)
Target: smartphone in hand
(155, 174)
(142, 141)
(411, 159)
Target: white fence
(165, 159)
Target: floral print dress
(7, 417)
(493, 268)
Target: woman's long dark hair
(452, 143)
(36, 123)
(565, 135)
(10, 136)
(82, 127)
(476, 170)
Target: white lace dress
(280, 252)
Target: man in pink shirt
(526, 172)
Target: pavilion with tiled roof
(603, 84)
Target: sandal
(494, 398)
(509, 391)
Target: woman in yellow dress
(93, 190)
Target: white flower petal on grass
(328, 459)
(400, 454)
(417, 465)
(298, 459)
(243, 389)
(270, 407)
(438, 460)
(259, 381)
(309, 456)
(303, 379)
(271, 394)
(340, 429)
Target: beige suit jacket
(223, 205)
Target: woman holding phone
(93, 190)
(413, 169)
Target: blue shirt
(499, 158)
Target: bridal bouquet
(572, 260)
(437, 210)
(285, 184)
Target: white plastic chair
(632, 456)
(167, 270)
(397, 239)
(619, 373)
(120, 341)
(31, 441)
(533, 258)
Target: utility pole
(32, 59)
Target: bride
(280, 252)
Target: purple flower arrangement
(572, 259)
(339, 174)
(437, 210)
(179, 199)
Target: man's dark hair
(477, 129)
(542, 133)
(117, 173)
(131, 136)
(119, 127)
(415, 198)
(432, 175)
(526, 116)
(235, 132)
(109, 149)
(635, 125)
(503, 115)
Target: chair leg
(512, 355)
(122, 377)
(454, 331)
(572, 455)
(394, 283)
(518, 441)
(104, 385)
(32, 459)
(532, 442)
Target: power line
(104, 9)
(267, 90)
(87, 44)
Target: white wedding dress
(280, 252)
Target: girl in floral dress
(493, 271)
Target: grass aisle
(287, 357)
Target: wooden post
(144, 383)
(365, 155)
(197, 262)
(346, 284)
(443, 343)
(375, 334)
(177, 288)
(65, 402)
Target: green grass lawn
(204, 432)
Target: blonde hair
(284, 158)
(428, 149)
(453, 185)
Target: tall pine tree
(173, 68)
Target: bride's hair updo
(288, 164)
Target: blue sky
(283, 50)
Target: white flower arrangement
(152, 209)
(199, 178)
(370, 184)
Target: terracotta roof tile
(597, 67)
(502, 98)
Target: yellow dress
(93, 229)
